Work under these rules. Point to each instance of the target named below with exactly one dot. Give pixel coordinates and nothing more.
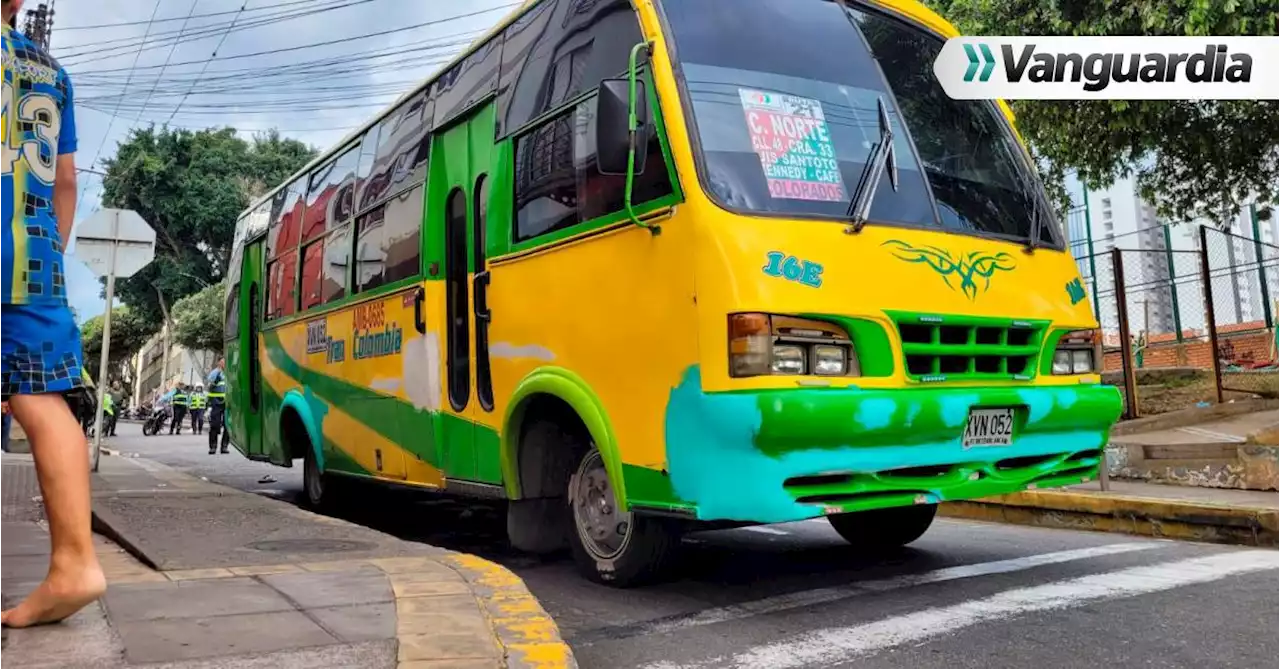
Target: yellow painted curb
(529, 637)
(1172, 519)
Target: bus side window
(558, 183)
(231, 317)
(559, 49)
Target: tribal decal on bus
(975, 264)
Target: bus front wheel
(611, 545)
(880, 529)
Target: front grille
(959, 348)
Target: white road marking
(761, 529)
(794, 600)
(839, 644)
(1216, 436)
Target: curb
(502, 625)
(1143, 516)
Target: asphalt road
(966, 595)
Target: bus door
(247, 381)
(459, 194)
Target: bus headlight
(764, 344)
(788, 359)
(1078, 352)
(830, 360)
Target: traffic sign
(113, 242)
(120, 230)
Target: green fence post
(1262, 272)
(1093, 265)
(1173, 283)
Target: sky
(162, 67)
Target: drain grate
(310, 546)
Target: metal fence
(1242, 277)
(1168, 341)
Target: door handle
(481, 306)
(419, 323)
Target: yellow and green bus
(646, 266)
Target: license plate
(988, 427)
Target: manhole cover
(310, 546)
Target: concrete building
(1161, 260)
(155, 377)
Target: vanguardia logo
(1098, 70)
(1116, 68)
(987, 63)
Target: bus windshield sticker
(789, 134)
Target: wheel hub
(600, 523)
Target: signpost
(113, 243)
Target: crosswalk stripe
(794, 600)
(838, 644)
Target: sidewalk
(1215, 515)
(231, 579)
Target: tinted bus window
(559, 49)
(400, 160)
(329, 198)
(467, 82)
(558, 182)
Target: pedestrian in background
(197, 402)
(180, 401)
(217, 385)
(40, 356)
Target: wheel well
(293, 434)
(545, 464)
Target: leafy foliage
(191, 187)
(1191, 159)
(129, 332)
(197, 320)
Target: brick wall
(1242, 348)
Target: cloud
(235, 91)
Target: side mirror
(613, 131)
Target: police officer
(180, 401)
(219, 435)
(198, 401)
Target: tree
(1191, 159)
(129, 333)
(191, 187)
(197, 320)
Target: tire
(148, 428)
(323, 491)
(613, 547)
(884, 529)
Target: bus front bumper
(783, 455)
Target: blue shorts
(41, 350)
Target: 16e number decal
(791, 268)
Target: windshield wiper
(882, 157)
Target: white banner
(1110, 68)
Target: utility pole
(38, 24)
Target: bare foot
(60, 595)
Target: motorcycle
(155, 422)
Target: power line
(111, 123)
(115, 47)
(166, 62)
(125, 24)
(312, 45)
(210, 60)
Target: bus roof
(909, 9)
(462, 55)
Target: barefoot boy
(40, 359)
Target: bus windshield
(784, 99)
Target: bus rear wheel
(882, 529)
(611, 545)
(323, 492)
